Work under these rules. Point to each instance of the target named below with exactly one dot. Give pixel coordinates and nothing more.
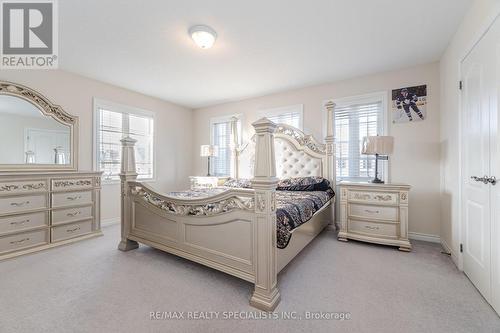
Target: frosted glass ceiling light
(203, 36)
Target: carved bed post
(234, 147)
(330, 143)
(330, 150)
(128, 173)
(266, 295)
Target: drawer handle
(372, 211)
(73, 214)
(76, 197)
(19, 204)
(369, 227)
(73, 230)
(20, 241)
(20, 222)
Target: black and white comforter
(293, 208)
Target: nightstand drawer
(372, 228)
(387, 213)
(382, 198)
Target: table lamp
(380, 146)
(208, 151)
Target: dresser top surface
(374, 185)
(49, 173)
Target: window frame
(124, 109)
(222, 119)
(296, 108)
(380, 96)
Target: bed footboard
(234, 232)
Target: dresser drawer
(24, 240)
(71, 184)
(372, 228)
(388, 213)
(71, 198)
(71, 214)
(24, 221)
(22, 203)
(67, 231)
(383, 198)
(23, 186)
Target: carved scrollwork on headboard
(302, 139)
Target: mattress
(293, 208)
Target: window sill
(117, 181)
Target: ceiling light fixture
(203, 36)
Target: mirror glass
(27, 136)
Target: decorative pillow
(241, 182)
(304, 184)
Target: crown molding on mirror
(49, 109)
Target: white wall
(416, 158)
(75, 94)
(475, 22)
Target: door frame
(481, 32)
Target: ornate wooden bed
(234, 231)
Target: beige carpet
(92, 287)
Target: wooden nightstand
(375, 213)
(198, 182)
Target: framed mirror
(34, 133)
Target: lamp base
(377, 181)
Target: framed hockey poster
(409, 104)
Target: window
(221, 136)
(290, 115)
(356, 118)
(114, 122)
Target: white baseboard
(448, 249)
(112, 221)
(424, 237)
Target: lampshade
(208, 151)
(382, 145)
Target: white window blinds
(290, 118)
(111, 127)
(352, 123)
(221, 137)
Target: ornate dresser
(375, 213)
(42, 210)
(44, 200)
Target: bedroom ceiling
(262, 46)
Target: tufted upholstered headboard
(297, 155)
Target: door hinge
(461, 248)
(460, 85)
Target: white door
(493, 38)
(479, 164)
(43, 142)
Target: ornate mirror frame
(48, 109)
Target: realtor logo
(29, 34)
